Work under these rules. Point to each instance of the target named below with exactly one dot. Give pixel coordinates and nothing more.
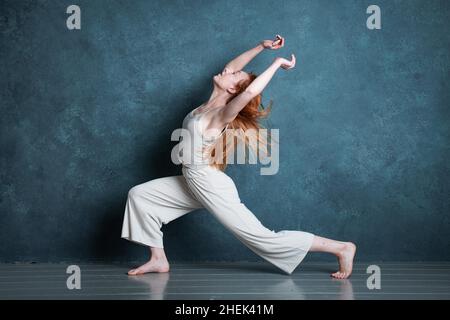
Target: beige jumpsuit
(159, 201)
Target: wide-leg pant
(159, 201)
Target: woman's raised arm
(256, 87)
(243, 59)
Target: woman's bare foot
(154, 265)
(345, 257)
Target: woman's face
(228, 80)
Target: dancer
(234, 104)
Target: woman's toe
(132, 272)
(339, 275)
(139, 271)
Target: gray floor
(226, 281)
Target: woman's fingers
(289, 64)
(281, 39)
(292, 62)
(278, 42)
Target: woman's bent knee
(134, 192)
(149, 187)
(141, 189)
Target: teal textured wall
(87, 114)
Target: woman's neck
(218, 98)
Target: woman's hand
(275, 44)
(286, 64)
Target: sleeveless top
(192, 141)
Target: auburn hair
(248, 118)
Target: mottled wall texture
(86, 114)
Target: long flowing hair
(239, 130)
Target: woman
(233, 104)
